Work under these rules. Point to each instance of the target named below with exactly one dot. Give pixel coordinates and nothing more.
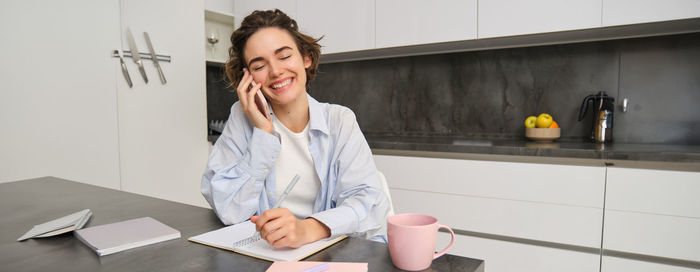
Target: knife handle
(160, 73)
(143, 72)
(126, 74)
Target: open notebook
(229, 237)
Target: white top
(295, 158)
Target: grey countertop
(30, 202)
(571, 151)
(582, 150)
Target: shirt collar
(317, 119)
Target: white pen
(286, 191)
(277, 205)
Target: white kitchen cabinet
(243, 8)
(615, 264)
(499, 18)
(563, 224)
(344, 25)
(163, 127)
(412, 22)
(653, 212)
(224, 7)
(217, 29)
(622, 12)
(546, 203)
(69, 113)
(509, 256)
(58, 108)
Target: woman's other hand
(247, 98)
(280, 228)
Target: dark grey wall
(492, 92)
(219, 98)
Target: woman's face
(275, 62)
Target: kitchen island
(567, 205)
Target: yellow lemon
(530, 122)
(544, 121)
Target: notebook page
(261, 248)
(225, 237)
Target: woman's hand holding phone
(253, 103)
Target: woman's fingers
(242, 89)
(278, 227)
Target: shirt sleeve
(237, 168)
(361, 206)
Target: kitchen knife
(135, 53)
(154, 57)
(124, 71)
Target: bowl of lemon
(542, 128)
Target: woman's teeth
(280, 85)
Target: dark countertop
(558, 151)
(30, 202)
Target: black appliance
(603, 109)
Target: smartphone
(262, 104)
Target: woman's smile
(276, 63)
(281, 85)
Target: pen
(317, 268)
(286, 191)
(279, 201)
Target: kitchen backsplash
(490, 93)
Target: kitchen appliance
(603, 109)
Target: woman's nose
(275, 69)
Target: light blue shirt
(240, 177)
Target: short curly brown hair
(307, 45)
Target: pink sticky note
(279, 266)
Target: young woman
(257, 156)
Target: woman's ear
(307, 62)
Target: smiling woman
(251, 164)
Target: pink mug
(412, 239)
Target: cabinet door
(243, 8)
(501, 256)
(614, 264)
(544, 202)
(58, 107)
(653, 212)
(344, 25)
(622, 12)
(412, 22)
(516, 17)
(163, 127)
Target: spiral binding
(247, 241)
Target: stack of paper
(61, 225)
(115, 237)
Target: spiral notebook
(237, 238)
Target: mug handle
(437, 255)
